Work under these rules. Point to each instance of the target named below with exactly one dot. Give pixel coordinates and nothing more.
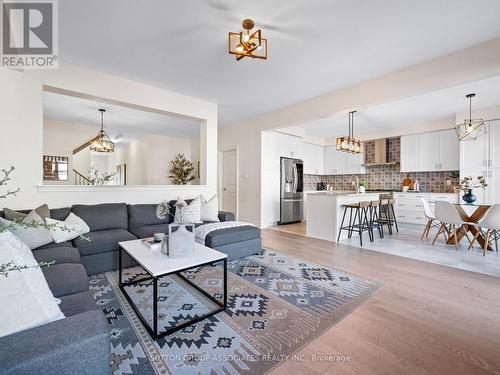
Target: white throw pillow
(67, 230)
(34, 237)
(188, 213)
(209, 209)
(27, 301)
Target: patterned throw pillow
(188, 213)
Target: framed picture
(55, 168)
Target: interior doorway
(228, 183)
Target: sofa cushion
(102, 241)
(103, 216)
(60, 213)
(66, 278)
(231, 235)
(42, 211)
(58, 254)
(53, 244)
(77, 303)
(144, 214)
(145, 231)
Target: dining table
(470, 216)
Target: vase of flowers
(467, 184)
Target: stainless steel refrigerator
(292, 191)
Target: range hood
(381, 154)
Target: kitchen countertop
(340, 193)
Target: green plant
(181, 170)
(363, 183)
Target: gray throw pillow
(33, 237)
(11, 215)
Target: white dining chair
(491, 223)
(451, 222)
(429, 216)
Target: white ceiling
(315, 46)
(407, 113)
(129, 123)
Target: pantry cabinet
(481, 157)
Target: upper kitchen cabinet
(314, 160)
(409, 153)
(427, 152)
(474, 154)
(449, 151)
(337, 162)
(330, 157)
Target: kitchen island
(324, 212)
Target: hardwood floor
(427, 319)
(295, 228)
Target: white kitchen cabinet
(408, 206)
(474, 153)
(493, 160)
(449, 151)
(356, 164)
(409, 153)
(428, 152)
(313, 157)
(330, 157)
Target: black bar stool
(358, 223)
(374, 218)
(387, 215)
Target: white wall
(21, 141)
(61, 138)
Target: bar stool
(358, 223)
(374, 218)
(387, 215)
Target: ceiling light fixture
(470, 129)
(102, 142)
(244, 44)
(349, 143)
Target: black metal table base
(153, 331)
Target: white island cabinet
(324, 212)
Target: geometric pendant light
(246, 44)
(471, 129)
(102, 142)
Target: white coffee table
(158, 265)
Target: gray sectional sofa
(80, 342)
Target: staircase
(80, 179)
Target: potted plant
(181, 170)
(362, 186)
(467, 184)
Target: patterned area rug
(276, 305)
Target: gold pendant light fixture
(349, 143)
(102, 142)
(470, 129)
(247, 44)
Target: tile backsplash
(386, 177)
